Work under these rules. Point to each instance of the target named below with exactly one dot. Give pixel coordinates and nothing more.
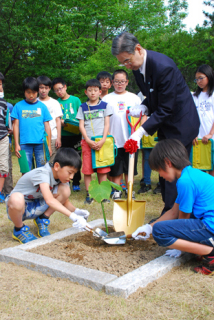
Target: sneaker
(133, 194)
(105, 201)
(2, 198)
(23, 235)
(157, 189)
(204, 270)
(88, 200)
(144, 188)
(76, 188)
(117, 195)
(42, 225)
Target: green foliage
(103, 190)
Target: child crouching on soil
(41, 192)
(189, 225)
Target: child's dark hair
(120, 71)
(58, 80)
(208, 71)
(171, 149)
(2, 77)
(104, 75)
(68, 157)
(44, 80)
(30, 83)
(93, 83)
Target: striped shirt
(3, 113)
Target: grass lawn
(25, 294)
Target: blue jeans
(166, 233)
(146, 168)
(38, 151)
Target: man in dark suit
(170, 104)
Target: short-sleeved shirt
(118, 123)
(94, 117)
(196, 195)
(70, 108)
(55, 111)
(29, 183)
(31, 118)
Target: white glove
(173, 253)
(82, 213)
(147, 228)
(79, 222)
(135, 111)
(137, 135)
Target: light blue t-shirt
(196, 195)
(31, 118)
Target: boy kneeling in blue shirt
(41, 192)
(189, 225)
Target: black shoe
(157, 189)
(144, 188)
(88, 200)
(105, 201)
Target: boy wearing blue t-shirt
(31, 120)
(189, 225)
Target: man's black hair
(68, 157)
(104, 75)
(208, 71)
(58, 80)
(30, 83)
(45, 81)
(2, 77)
(93, 83)
(171, 149)
(120, 71)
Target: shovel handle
(131, 126)
(129, 236)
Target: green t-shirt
(69, 109)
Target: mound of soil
(85, 250)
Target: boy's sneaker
(105, 201)
(122, 184)
(133, 194)
(144, 188)
(157, 189)
(23, 235)
(88, 200)
(42, 225)
(76, 188)
(117, 195)
(2, 198)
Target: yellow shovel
(129, 214)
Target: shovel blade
(121, 220)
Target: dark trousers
(75, 143)
(169, 190)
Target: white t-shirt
(205, 107)
(56, 111)
(118, 123)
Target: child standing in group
(41, 192)
(189, 225)
(204, 101)
(70, 105)
(93, 118)
(31, 120)
(120, 100)
(105, 79)
(4, 141)
(55, 111)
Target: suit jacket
(168, 98)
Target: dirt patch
(85, 250)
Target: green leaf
(99, 191)
(115, 186)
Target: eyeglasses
(120, 82)
(59, 89)
(127, 62)
(199, 79)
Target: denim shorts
(33, 208)
(166, 233)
